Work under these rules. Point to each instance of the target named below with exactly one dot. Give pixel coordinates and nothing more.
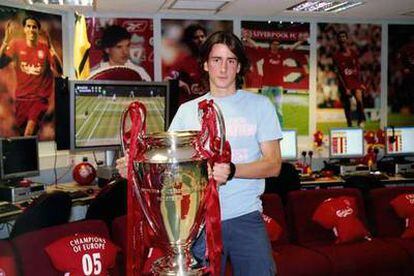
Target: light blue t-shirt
(250, 119)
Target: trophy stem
(179, 262)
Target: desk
(339, 182)
(79, 205)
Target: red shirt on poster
(348, 69)
(187, 69)
(33, 73)
(272, 66)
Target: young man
(116, 44)
(36, 63)
(349, 81)
(253, 130)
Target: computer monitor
(399, 141)
(346, 143)
(288, 145)
(97, 106)
(19, 157)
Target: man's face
(199, 38)
(274, 46)
(31, 30)
(119, 54)
(222, 66)
(342, 38)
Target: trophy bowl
(172, 179)
(169, 178)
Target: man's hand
(122, 166)
(220, 172)
(8, 33)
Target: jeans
(246, 243)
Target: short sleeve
(177, 122)
(186, 117)
(268, 125)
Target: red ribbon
(212, 207)
(135, 216)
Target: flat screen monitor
(288, 145)
(97, 106)
(19, 157)
(399, 141)
(346, 143)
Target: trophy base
(164, 267)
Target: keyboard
(8, 209)
(304, 178)
(378, 176)
(407, 174)
(78, 194)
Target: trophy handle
(137, 112)
(221, 127)
(212, 128)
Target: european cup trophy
(170, 182)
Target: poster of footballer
(30, 58)
(121, 48)
(348, 76)
(401, 75)
(181, 41)
(279, 57)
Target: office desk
(339, 182)
(79, 205)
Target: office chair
(288, 180)
(47, 210)
(110, 203)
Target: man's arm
(269, 165)
(4, 59)
(56, 63)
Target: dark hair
(188, 37)
(338, 34)
(111, 36)
(235, 46)
(31, 17)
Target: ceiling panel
(371, 10)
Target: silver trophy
(170, 184)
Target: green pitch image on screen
(98, 119)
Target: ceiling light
(206, 5)
(62, 2)
(324, 6)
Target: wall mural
(279, 56)
(30, 58)
(348, 76)
(400, 75)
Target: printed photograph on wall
(30, 58)
(181, 41)
(400, 75)
(348, 76)
(279, 57)
(121, 48)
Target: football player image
(116, 44)
(272, 70)
(186, 68)
(349, 80)
(36, 63)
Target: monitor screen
(19, 157)
(399, 140)
(288, 145)
(346, 143)
(97, 106)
